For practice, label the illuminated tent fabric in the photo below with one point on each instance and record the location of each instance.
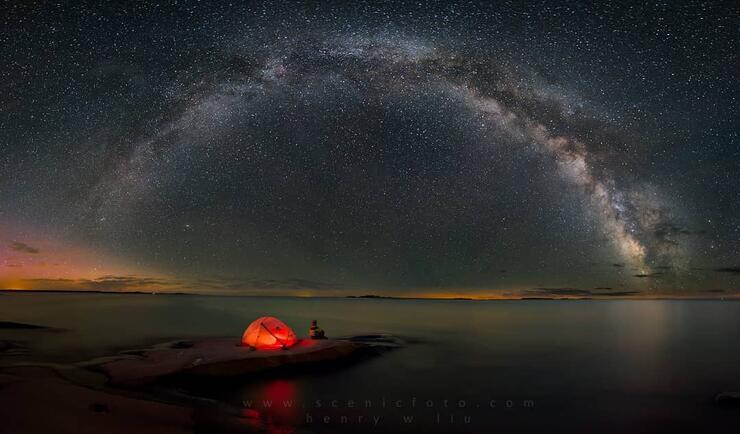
(268, 333)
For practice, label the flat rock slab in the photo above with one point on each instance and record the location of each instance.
(728, 399)
(37, 400)
(219, 357)
(12, 348)
(19, 325)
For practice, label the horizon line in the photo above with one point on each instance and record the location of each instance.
(718, 297)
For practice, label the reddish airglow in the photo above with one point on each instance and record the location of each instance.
(268, 333)
(30, 259)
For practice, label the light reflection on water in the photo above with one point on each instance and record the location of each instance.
(627, 363)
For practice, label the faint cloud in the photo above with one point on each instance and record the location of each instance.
(647, 275)
(731, 270)
(107, 283)
(558, 291)
(132, 283)
(620, 293)
(667, 230)
(23, 247)
(292, 284)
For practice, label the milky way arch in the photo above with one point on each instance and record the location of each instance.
(206, 104)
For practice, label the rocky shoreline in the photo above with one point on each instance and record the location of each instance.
(124, 392)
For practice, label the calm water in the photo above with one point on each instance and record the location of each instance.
(587, 366)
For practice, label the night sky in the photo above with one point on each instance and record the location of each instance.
(424, 149)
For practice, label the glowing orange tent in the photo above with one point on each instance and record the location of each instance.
(268, 333)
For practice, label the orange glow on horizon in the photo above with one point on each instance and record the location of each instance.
(31, 260)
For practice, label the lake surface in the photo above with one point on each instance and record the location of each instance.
(495, 366)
